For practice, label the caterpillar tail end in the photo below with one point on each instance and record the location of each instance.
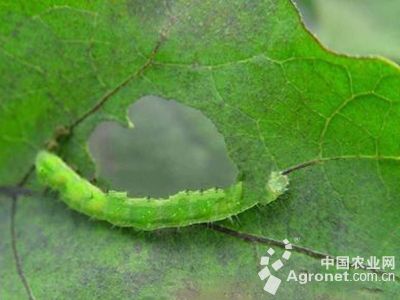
(44, 164)
(276, 186)
(51, 170)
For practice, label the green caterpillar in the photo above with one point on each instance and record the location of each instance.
(181, 209)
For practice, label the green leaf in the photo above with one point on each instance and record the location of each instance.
(278, 98)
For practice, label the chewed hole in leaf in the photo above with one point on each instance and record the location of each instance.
(171, 148)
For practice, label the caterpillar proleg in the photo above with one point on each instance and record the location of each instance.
(180, 209)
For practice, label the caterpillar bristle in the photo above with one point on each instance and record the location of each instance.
(237, 220)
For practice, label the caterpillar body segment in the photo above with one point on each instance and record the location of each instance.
(181, 209)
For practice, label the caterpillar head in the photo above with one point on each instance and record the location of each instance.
(276, 186)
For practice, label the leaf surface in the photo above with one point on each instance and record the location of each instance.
(277, 97)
